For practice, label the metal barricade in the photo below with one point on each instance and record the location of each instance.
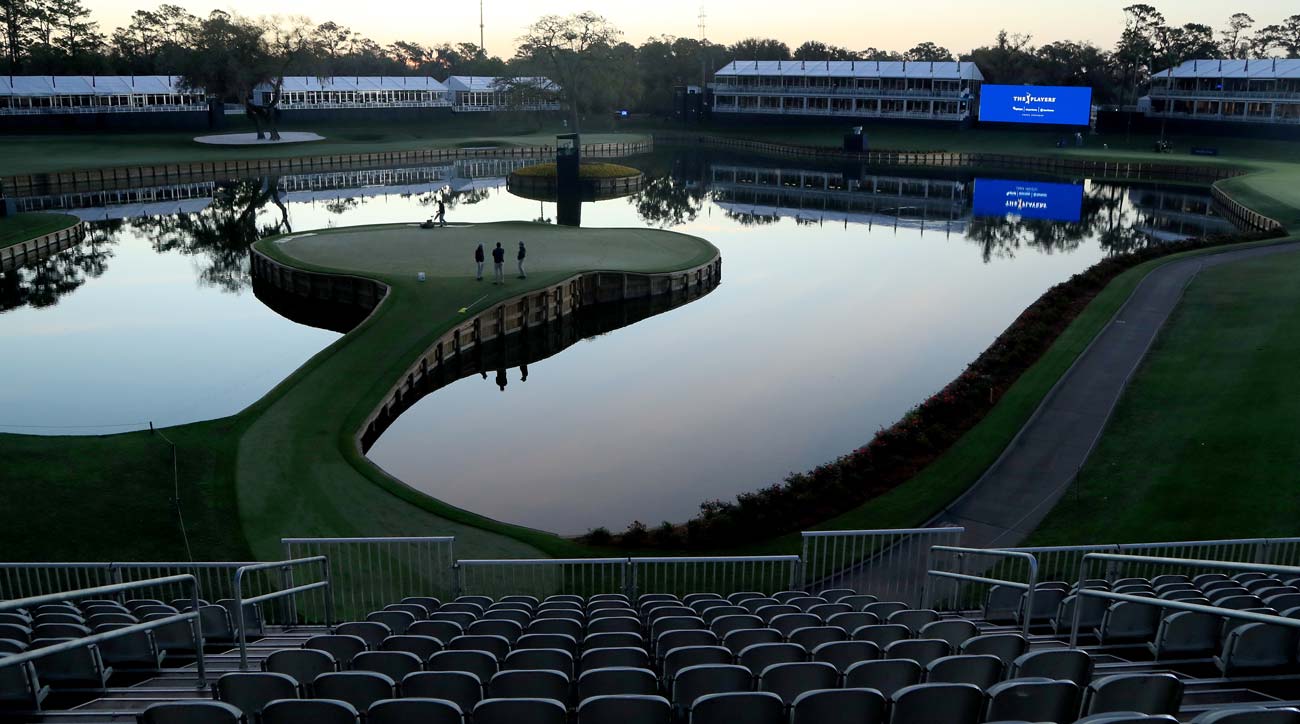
(713, 574)
(1027, 603)
(1186, 563)
(1060, 562)
(542, 577)
(289, 593)
(889, 564)
(369, 573)
(192, 615)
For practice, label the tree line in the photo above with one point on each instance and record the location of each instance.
(227, 54)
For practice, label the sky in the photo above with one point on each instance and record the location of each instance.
(959, 25)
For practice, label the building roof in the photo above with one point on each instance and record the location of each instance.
(853, 69)
(462, 83)
(1260, 68)
(81, 85)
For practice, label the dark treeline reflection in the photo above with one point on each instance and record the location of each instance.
(682, 184)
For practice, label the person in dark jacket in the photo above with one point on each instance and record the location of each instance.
(499, 264)
(442, 212)
(520, 259)
(478, 261)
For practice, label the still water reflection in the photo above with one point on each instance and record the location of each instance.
(848, 295)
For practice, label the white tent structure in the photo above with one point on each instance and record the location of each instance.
(1263, 90)
(848, 88)
(492, 93)
(309, 92)
(46, 94)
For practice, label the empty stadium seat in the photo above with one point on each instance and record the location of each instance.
(1057, 664)
(358, 688)
(479, 663)
(539, 660)
(495, 645)
(191, 712)
(529, 685)
(1257, 646)
(726, 624)
(21, 688)
(544, 641)
(922, 651)
(680, 658)
(1186, 634)
(755, 707)
(1146, 693)
(669, 640)
(883, 609)
(886, 675)
(316, 711)
(251, 691)
(566, 626)
(624, 709)
(343, 647)
(693, 682)
(520, 711)
(617, 680)
(302, 665)
(601, 658)
(444, 631)
(1090, 618)
(843, 654)
(913, 619)
(954, 631)
(1006, 647)
(982, 670)
(460, 687)
(508, 630)
(1033, 700)
(760, 656)
(814, 636)
(1127, 717)
(790, 680)
(413, 710)
(741, 639)
(393, 664)
(838, 706)
(422, 646)
(948, 703)
(75, 668)
(612, 640)
(372, 632)
(881, 635)
(614, 624)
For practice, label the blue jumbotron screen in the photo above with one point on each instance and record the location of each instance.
(1028, 199)
(1050, 105)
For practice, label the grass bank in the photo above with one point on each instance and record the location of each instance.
(1205, 442)
(25, 227)
(27, 154)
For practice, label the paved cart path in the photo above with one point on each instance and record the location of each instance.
(1014, 495)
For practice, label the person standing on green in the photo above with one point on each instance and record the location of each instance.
(520, 260)
(499, 264)
(478, 261)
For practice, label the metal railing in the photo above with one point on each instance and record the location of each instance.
(712, 574)
(1027, 602)
(1060, 562)
(215, 579)
(288, 593)
(889, 563)
(1185, 563)
(369, 573)
(192, 615)
(542, 577)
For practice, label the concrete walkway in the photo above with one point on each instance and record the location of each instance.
(1014, 495)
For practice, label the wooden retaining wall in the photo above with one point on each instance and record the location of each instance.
(132, 176)
(1240, 215)
(512, 315)
(42, 247)
(599, 188)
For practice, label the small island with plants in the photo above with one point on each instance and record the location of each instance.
(596, 180)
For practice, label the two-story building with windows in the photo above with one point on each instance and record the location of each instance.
(1260, 91)
(847, 89)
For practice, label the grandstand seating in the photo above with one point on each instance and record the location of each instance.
(838, 656)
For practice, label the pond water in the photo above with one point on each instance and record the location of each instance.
(849, 294)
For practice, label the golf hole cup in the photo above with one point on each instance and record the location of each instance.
(420, 276)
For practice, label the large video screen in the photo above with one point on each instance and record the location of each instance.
(1028, 199)
(1051, 105)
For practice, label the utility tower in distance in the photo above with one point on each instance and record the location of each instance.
(482, 48)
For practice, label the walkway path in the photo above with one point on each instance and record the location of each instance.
(1014, 495)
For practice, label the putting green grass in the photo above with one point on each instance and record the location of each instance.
(25, 227)
(26, 154)
(1205, 443)
(298, 470)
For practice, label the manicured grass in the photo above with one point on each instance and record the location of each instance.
(298, 469)
(586, 170)
(1206, 441)
(47, 153)
(24, 227)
